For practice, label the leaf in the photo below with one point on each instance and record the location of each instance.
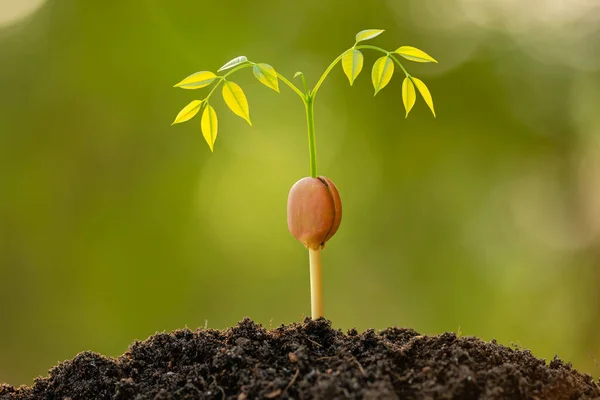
(414, 54)
(368, 34)
(266, 75)
(209, 125)
(198, 80)
(382, 72)
(352, 63)
(408, 94)
(236, 100)
(297, 74)
(232, 63)
(188, 112)
(424, 93)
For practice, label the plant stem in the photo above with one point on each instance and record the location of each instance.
(368, 46)
(309, 103)
(316, 284)
(304, 83)
(327, 71)
(292, 86)
(222, 78)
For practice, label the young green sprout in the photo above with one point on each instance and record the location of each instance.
(314, 209)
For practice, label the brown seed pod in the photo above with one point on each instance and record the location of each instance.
(314, 211)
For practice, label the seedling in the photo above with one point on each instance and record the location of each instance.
(314, 209)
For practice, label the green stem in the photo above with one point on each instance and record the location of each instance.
(292, 86)
(304, 83)
(222, 78)
(309, 103)
(251, 64)
(399, 64)
(368, 46)
(327, 71)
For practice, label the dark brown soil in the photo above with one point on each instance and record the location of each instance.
(310, 361)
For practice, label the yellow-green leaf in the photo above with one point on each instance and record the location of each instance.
(236, 100)
(197, 80)
(232, 63)
(209, 125)
(414, 54)
(424, 93)
(352, 63)
(188, 112)
(408, 94)
(368, 34)
(382, 72)
(266, 75)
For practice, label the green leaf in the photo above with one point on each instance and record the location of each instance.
(368, 34)
(352, 63)
(232, 63)
(414, 54)
(266, 75)
(382, 72)
(236, 100)
(188, 112)
(424, 93)
(408, 94)
(209, 125)
(197, 80)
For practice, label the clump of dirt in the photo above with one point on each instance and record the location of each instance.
(309, 361)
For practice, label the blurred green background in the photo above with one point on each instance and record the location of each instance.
(115, 225)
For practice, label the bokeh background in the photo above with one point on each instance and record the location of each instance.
(115, 225)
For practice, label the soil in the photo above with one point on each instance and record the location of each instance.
(309, 360)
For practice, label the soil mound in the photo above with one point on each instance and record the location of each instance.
(309, 360)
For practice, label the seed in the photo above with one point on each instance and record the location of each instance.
(314, 211)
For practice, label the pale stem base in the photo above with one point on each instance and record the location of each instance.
(316, 284)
